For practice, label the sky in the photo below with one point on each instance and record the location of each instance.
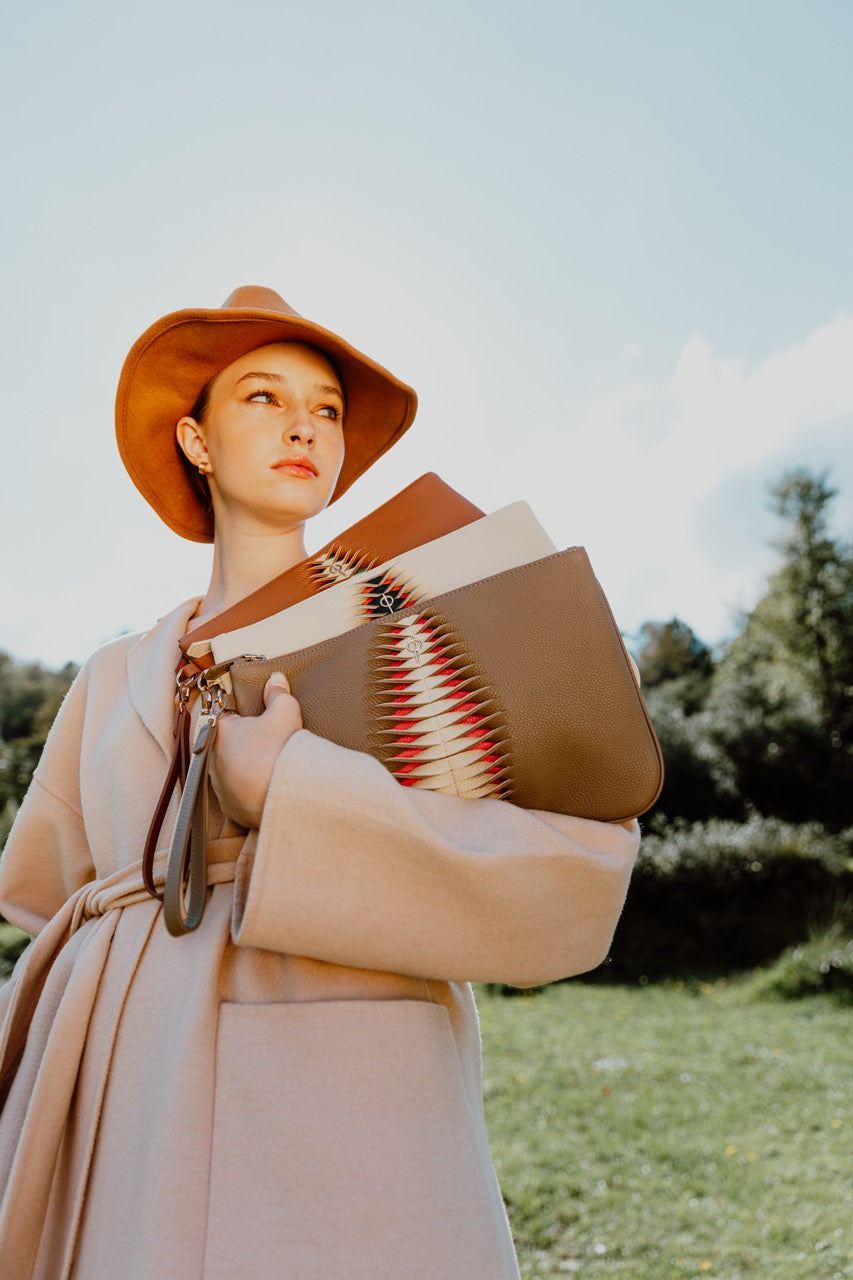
(608, 243)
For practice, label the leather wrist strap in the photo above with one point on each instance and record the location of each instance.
(186, 872)
(187, 678)
(177, 773)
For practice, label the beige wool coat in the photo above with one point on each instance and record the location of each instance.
(294, 1089)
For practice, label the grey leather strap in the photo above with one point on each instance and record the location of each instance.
(185, 891)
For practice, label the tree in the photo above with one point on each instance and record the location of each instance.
(809, 607)
(29, 700)
(676, 669)
(781, 700)
(669, 650)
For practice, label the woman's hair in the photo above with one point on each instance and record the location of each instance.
(198, 481)
(199, 409)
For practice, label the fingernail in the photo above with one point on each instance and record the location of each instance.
(278, 680)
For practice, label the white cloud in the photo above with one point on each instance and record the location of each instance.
(667, 483)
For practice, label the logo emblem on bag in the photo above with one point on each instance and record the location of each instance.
(382, 594)
(336, 565)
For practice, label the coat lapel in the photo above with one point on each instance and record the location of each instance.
(151, 665)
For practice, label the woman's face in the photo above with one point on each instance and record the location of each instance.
(271, 440)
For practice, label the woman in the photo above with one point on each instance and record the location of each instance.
(294, 1088)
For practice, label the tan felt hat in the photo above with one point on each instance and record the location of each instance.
(177, 356)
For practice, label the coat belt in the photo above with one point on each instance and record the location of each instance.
(125, 887)
(30, 1177)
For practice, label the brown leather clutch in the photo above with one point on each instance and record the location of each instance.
(517, 686)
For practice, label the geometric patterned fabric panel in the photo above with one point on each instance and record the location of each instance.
(437, 725)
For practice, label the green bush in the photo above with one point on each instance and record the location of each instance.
(30, 696)
(720, 897)
(822, 965)
(699, 781)
(12, 943)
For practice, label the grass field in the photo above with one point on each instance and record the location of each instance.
(672, 1133)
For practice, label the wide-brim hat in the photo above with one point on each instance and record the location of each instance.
(172, 361)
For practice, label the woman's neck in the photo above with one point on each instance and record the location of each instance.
(243, 563)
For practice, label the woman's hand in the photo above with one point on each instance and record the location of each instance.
(246, 750)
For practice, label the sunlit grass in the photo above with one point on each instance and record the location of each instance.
(669, 1131)
(672, 1132)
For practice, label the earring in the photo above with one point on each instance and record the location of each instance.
(202, 469)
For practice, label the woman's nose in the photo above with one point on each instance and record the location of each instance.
(300, 429)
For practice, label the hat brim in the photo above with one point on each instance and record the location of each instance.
(176, 357)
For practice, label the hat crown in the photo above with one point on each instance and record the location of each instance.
(255, 297)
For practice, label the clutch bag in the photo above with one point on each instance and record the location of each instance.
(516, 686)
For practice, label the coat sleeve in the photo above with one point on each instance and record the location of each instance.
(353, 868)
(46, 857)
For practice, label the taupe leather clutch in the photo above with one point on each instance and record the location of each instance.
(517, 686)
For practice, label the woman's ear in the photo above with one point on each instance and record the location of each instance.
(192, 444)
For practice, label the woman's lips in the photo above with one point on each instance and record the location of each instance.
(301, 467)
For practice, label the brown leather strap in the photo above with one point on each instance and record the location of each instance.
(186, 673)
(187, 669)
(177, 773)
(186, 871)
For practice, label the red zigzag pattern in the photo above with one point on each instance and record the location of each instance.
(439, 727)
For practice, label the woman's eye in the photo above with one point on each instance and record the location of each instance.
(331, 411)
(262, 397)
